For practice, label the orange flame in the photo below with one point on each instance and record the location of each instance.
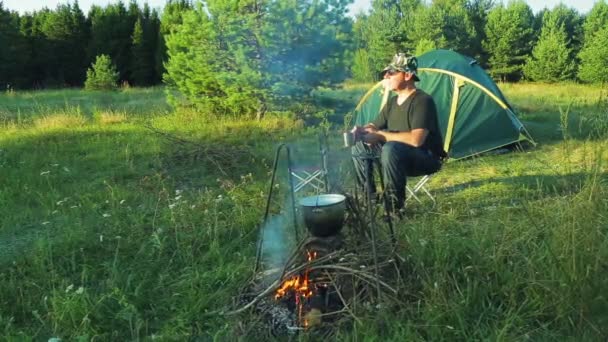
(301, 285)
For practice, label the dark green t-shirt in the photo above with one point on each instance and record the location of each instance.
(417, 111)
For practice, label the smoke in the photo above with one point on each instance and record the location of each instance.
(276, 242)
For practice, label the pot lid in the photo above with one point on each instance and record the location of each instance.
(322, 200)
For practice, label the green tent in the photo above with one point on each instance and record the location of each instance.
(474, 116)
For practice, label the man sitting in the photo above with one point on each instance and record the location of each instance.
(405, 133)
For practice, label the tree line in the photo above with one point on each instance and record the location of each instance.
(510, 41)
(248, 56)
(54, 48)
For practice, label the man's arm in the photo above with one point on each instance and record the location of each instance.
(415, 137)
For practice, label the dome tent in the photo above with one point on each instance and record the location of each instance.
(474, 116)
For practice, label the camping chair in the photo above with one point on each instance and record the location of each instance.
(312, 175)
(420, 186)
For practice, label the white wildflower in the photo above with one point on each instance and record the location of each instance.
(172, 205)
(177, 198)
(45, 223)
(69, 288)
(122, 201)
(178, 192)
(80, 290)
(54, 165)
(100, 238)
(43, 173)
(66, 169)
(106, 215)
(54, 212)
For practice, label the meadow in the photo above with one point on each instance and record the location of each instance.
(121, 219)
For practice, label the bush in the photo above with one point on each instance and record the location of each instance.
(102, 75)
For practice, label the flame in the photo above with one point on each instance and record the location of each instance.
(301, 285)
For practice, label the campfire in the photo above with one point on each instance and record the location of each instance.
(330, 276)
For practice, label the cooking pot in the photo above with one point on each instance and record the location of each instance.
(323, 214)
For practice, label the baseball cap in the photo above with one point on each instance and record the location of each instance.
(403, 62)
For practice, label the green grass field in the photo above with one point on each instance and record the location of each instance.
(111, 231)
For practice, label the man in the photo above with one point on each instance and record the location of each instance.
(405, 134)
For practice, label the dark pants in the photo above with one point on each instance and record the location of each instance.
(398, 161)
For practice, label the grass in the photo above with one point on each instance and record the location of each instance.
(112, 232)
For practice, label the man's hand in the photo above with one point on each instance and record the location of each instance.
(370, 128)
(373, 138)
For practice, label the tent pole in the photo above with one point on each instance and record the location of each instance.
(454, 106)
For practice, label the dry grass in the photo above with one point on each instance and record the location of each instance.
(110, 117)
(61, 120)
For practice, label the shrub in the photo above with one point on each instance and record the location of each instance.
(102, 75)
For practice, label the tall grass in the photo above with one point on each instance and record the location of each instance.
(109, 231)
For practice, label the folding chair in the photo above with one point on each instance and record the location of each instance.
(314, 176)
(309, 176)
(420, 187)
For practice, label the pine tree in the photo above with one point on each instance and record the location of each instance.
(594, 54)
(424, 45)
(509, 39)
(111, 31)
(447, 24)
(572, 22)
(596, 20)
(170, 20)
(245, 57)
(11, 62)
(477, 11)
(102, 75)
(594, 58)
(142, 54)
(551, 59)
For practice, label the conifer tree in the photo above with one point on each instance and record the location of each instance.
(551, 59)
(245, 57)
(509, 39)
(102, 75)
(594, 58)
(447, 24)
(594, 54)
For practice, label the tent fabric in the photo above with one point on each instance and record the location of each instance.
(474, 116)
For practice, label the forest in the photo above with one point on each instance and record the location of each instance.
(315, 43)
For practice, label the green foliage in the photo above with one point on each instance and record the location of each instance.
(144, 40)
(447, 24)
(594, 58)
(596, 20)
(425, 45)
(572, 22)
(65, 34)
(362, 70)
(11, 43)
(233, 58)
(552, 59)
(102, 75)
(477, 12)
(382, 33)
(509, 39)
(594, 54)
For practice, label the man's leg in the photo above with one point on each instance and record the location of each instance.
(361, 149)
(399, 161)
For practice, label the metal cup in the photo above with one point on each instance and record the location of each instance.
(349, 139)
